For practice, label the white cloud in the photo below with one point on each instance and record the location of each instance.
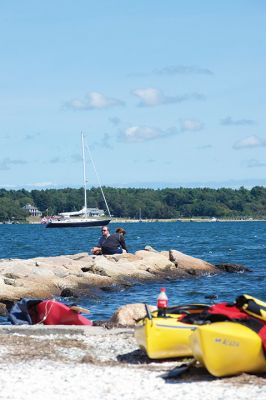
(145, 133)
(104, 142)
(184, 70)
(137, 133)
(191, 125)
(255, 163)
(204, 147)
(176, 70)
(241, 122)
(32, 136)
(7, 163)
(140, 133)
(94, 100)
(115, 120)
(56, 160)
(249, 142)
(151, 97)
(29, 185)
(40, 184)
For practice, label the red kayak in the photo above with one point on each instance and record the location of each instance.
(51, 312)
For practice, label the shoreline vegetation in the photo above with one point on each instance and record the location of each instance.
(131, 204)
(37, 220)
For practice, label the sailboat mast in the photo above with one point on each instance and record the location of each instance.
(84, 174)
(98, 178)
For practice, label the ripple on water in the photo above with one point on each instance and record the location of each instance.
(241, 243)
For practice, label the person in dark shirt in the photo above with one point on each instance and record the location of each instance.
(115, 244)
(97, 250)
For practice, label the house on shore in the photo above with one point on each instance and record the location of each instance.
(32, 210)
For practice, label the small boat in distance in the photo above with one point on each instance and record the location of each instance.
(86, 217)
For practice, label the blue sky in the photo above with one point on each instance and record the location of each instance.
(168, 93)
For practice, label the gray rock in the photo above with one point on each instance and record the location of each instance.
(49, 276)
(11, 282)
(129, 314)
(227, 267)
(150, 248)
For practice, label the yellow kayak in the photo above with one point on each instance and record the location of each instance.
(228, 348)
(166, 337)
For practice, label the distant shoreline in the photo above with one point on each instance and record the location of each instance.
(35, 221)
(128, 220)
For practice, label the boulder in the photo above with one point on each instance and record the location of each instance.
(129, 314)
(191, 265)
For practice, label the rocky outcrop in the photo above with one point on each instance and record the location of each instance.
(44, 277)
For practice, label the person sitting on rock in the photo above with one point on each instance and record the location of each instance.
(115, 244)
(97, 250)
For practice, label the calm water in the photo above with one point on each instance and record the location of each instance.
(216, 242)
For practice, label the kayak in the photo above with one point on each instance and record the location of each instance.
(226, 338)
(228, 348)
(166, 337)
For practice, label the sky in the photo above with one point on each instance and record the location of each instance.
(167, 93)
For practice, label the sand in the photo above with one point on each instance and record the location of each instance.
(55, 363)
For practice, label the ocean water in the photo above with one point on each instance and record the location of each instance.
(216, 242)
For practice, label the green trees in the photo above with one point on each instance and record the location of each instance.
(127, 202)
(10, 210)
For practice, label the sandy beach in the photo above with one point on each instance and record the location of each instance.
(60, 362)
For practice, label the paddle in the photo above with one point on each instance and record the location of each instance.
(178, 371)
(148, 312)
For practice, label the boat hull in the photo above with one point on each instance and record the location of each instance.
(228, 348)
(164, 337)
(77, 224)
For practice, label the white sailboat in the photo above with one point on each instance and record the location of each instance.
(87, 217)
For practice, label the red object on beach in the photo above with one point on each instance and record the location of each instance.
(51, 312)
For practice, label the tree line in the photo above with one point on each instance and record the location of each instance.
(127, 202)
